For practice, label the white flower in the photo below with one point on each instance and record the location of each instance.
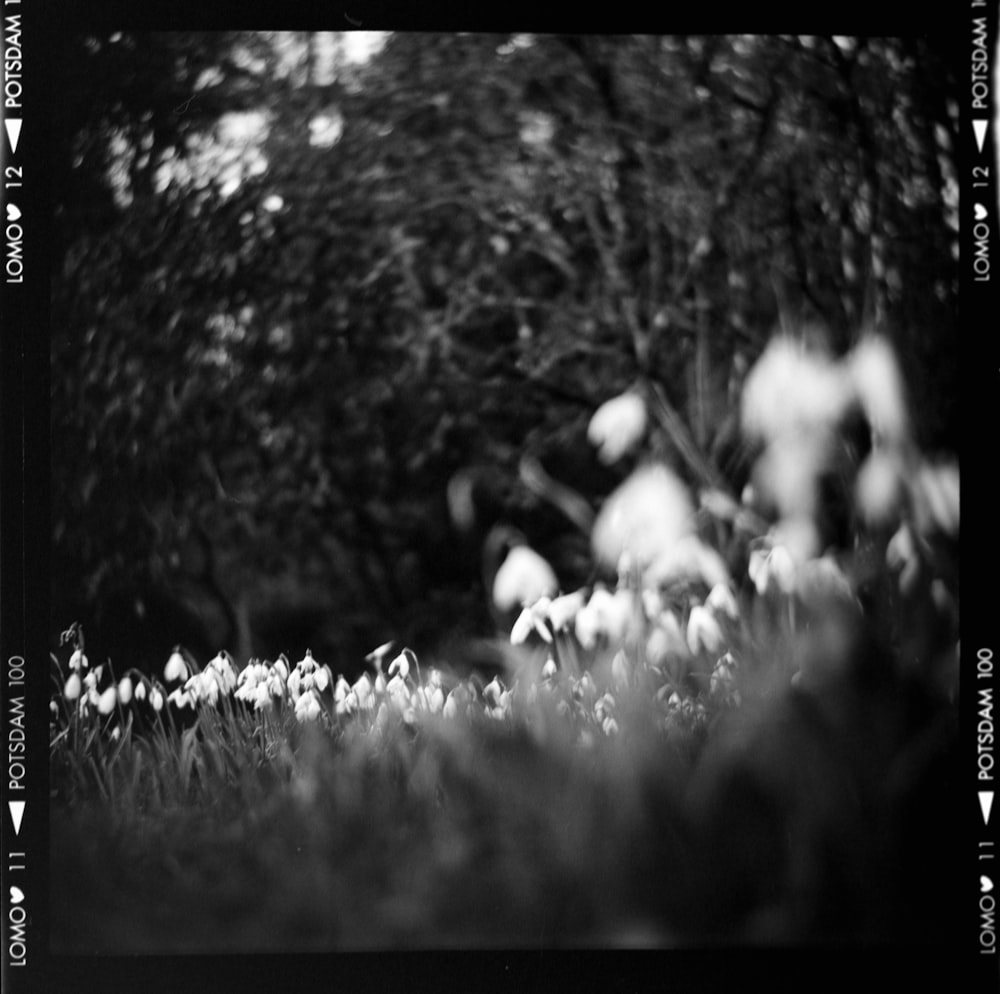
(721, 600)
(902, 556)
(703, 631)
(222, 664)
(617, 426)
(156, 699)
(791, 389)
(78, 661)
(563, 610)
(788, 472)
(306, 664)
(73, 687)
(643, 519)
(261, 697)
(605, 615)
(307, 707)
(532, 618)
(176, 668)
(723, 675)
(936, 499)
(549, 669)
(523, 577)
(400, 665)
(125, 690)
(772, 568)
(666, 639)
(435, 699)
(878, 488)
(620, 669)
(140, 690)
(180, 698)
(493, 690)
(688, 559)
(362, 690)
(878, 383)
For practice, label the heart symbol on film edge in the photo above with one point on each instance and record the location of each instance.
(13, 212)
(985, 884)
(16, 895)
(980, 212)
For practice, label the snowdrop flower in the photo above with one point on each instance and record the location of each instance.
(523, 578)
(252, 676)
(787, 473)
(878, 383)
(125, 690)
(73, 688)
(644, 518)
(280, 668)
(176, 668)
(202, 686)
(222, 664)
(688, 559)
(261, 697)
(703, 631)
(116, 733)
(156, 699)
(140, 690)
(791, 390)
(666, 639)
(723, 675)
(401, 664)
(398, 691)
(767, 570)
(532, 619)
(604, 706)
(902, 556)
(936, 499)
(180, 698)
(821, 582)
(78, 661)
(617, 426)
(563, 610)
(435, 699)
(307, 707)
(605, 615)
(878, 488)
(377, 655)
(493, 690)
(363, 692)
(721, 600)
(549, 669)
(620, 669)
(609, 726)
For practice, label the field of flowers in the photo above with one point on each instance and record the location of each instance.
(739, 733)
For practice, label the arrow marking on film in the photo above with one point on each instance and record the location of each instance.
(980, 129)
(16, 814)
(986, 802)
(13, 125)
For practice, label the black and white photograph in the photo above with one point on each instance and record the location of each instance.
(504, 496)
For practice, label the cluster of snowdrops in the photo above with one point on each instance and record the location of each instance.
(679, 625)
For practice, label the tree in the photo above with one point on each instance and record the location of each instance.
(296, 295)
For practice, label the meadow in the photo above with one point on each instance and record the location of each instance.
(742, 732)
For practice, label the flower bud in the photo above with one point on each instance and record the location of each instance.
(106, 702)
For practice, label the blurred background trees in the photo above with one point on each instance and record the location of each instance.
(301, 282)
